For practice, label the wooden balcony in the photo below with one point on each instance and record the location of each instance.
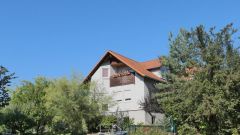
(117, 64)
(122, 80)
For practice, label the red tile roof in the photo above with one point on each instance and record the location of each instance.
(140, 68)
(156, 63)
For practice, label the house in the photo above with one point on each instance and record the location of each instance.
(129, 82)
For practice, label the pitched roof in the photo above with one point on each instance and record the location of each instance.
(140, 68)
(156, 63)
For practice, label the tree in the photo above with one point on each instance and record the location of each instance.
(119, 119)
(69, 100)
(76, 107)
(5, 80)
(31, 97)
(108, 121)
(16, 120)
(60, 106)
(202, 88)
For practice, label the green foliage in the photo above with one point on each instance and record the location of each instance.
(203, 81)
(14, 118)
(71, 102)
(186, 129)
(127, 122)
(5, 80)
(31, 96)
(93, 124)
(165, 123)
(61, 106)
(123, 121)
(60, 127)
(108, 121)
(147, 130)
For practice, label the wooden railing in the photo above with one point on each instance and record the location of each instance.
(122, 80)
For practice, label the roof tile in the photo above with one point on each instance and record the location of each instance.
(156, 63)
(140, 68)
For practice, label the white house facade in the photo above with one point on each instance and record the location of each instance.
(128, 82)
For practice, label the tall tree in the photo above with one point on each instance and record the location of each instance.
(202, 92)
(5, 80)
(31, 97)
(76, 106)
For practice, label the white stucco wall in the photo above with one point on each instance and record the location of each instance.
(138, 116)
(156, 72)
(134, 91)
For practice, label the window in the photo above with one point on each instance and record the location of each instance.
(104, 72)
(105, 107)
(128, 99)
(119, 100)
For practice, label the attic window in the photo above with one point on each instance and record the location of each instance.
(104, 72)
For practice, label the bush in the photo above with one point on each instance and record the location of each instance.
(108, 121)
(186, 129)
(148, 130)
(15, 120)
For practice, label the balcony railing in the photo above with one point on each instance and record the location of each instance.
(122, 80)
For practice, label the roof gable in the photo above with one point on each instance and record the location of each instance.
(140, 68)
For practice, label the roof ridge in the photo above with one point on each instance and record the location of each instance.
(123, 56)
(137, 66)
(127, 63)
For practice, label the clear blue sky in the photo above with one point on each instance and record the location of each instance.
(54, 37)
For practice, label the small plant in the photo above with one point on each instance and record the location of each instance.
(108, 121)
(148, 130)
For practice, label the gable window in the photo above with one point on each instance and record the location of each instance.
(104, 72)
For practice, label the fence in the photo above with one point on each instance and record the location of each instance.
(148, 129)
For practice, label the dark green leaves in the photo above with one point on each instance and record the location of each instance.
(5, 80)
(202, 90)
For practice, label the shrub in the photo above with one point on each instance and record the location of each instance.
(148, 131)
